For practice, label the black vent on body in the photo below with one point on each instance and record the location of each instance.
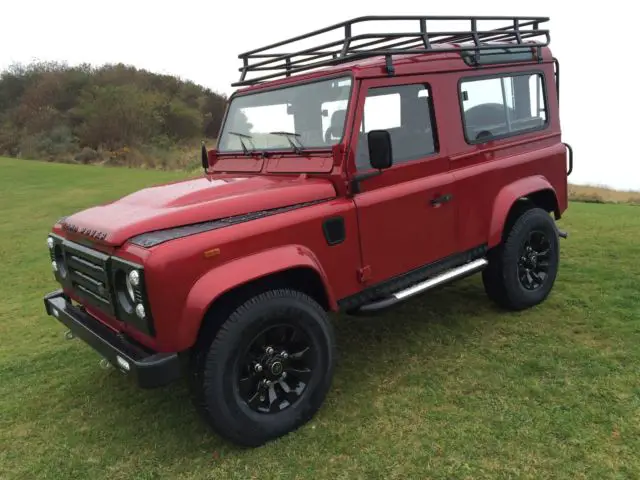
(334, 230)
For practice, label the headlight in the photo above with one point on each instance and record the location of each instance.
(58, 264)
(131, 282)
(134, 278)
(125, 291)
(140, 311)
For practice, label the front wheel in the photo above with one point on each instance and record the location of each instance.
(523, 269)
(268, 368)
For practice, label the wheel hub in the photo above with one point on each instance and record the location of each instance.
(276, 368)
(534, 261)
(276, 371)
(531, 259)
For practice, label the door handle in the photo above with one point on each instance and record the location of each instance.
(436, 202)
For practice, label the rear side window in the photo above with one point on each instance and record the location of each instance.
(502, 106)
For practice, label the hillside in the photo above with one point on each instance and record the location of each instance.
(444, 386)
(594, 194)
(116, 114)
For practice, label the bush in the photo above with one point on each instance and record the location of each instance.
(115, 116)
(53, 111)
(587, 198)
(9, 139)
(87, 155)
(57, 144)
(181, 122)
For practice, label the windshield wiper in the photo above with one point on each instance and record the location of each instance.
(245, 150)
(296, 148)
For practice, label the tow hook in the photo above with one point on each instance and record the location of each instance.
(561, 233)
(68, 335)
(105, 364)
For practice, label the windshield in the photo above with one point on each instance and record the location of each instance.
(305, 116)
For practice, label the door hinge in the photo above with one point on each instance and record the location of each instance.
(364, 274)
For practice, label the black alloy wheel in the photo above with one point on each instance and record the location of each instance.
(533, 265)
(276, 369)
(266, 369)
(523, 268)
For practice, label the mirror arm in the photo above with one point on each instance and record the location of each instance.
(359, 177)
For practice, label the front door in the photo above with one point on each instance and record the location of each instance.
(406, 215)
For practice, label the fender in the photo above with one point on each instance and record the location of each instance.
(225, 277)
(507, 197)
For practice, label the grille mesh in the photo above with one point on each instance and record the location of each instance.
(88, 275)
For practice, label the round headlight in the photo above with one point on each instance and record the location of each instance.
(130, 289)
(50, 243)
(125, 292)
(60, 267)
(134, 278)
(54, 266)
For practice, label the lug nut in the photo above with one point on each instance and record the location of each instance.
(269, 351)
(284, 375)
(262, 398)
(284, 355)
(258, 367)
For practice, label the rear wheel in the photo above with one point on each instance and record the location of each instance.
(523, 269)
(267, 370)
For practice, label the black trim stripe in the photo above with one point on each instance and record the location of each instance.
(151, 239)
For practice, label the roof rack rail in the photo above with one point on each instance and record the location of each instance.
(269, 63)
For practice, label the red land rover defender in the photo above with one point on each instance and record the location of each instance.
(348, 176)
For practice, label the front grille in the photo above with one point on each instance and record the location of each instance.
(88, 275)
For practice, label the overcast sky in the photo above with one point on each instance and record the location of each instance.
(200, 41)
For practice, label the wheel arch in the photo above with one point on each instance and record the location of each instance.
(220, 290)
(517, 197)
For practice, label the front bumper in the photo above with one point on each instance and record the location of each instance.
(150, 369)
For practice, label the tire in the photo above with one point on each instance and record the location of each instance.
(229, 390)
(506, 280)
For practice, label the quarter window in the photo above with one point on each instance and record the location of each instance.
(502, 106)
(406, 112)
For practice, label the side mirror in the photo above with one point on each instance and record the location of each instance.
(208, 156)
(380, 152)
(204, 157)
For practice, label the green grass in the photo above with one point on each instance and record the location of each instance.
(445, 386)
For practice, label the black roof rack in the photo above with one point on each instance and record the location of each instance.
(270, 62)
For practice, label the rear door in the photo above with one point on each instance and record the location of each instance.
(406, 215)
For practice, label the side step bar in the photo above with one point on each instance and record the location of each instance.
(446, 277)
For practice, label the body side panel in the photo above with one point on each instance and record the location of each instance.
(483, 170)
(399, 228)
(240, 253)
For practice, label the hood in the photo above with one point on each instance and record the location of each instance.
(192, 201)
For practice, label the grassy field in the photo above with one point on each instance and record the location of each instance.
(445, 386)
